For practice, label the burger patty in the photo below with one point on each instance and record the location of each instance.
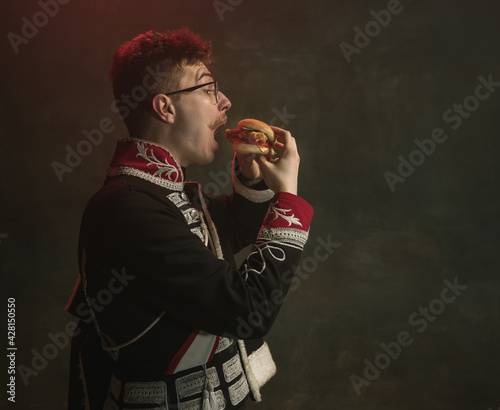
(248, 137)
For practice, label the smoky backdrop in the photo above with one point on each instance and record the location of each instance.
(395, 108)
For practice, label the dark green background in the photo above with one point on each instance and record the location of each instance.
(351, 121)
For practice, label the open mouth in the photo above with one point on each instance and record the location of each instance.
(219, 123)
(219, 127)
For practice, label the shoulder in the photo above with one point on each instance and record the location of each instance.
(129, 197)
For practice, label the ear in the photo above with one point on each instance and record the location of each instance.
(163, 108)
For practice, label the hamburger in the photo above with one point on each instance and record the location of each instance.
(252, 137)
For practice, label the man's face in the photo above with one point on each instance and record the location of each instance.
(197, 118)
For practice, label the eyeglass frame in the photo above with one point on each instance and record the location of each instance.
(196, 87)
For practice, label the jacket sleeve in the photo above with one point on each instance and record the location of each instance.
(169, 269)
(243, 211)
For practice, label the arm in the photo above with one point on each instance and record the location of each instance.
(251, 177)
(242, 212)
(173, 271)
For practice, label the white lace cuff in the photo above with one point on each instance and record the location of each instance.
(249, 193)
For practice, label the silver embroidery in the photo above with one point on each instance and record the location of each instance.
(220, 399)
(289, 235)
(257, 250)
(276, 252)
(145, 392)
(199, 233)
(193, 383)
(195, 404)
(191, 215)
(232, 368)
(178, 198)
(165, 183)
(238, 391)
(224, 343)
(163, 169)
(281, 213)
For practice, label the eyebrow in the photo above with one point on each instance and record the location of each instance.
(204, 74)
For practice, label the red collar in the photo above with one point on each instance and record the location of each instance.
(146, 160)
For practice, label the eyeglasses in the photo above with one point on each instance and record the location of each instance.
(196, 87)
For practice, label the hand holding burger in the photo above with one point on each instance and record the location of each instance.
(258, 139)
(252, 137)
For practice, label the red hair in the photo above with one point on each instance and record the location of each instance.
(165, 53)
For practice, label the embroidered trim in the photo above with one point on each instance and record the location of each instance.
(143, 141)
(281, 213)
(224, 343)
(190, 405)
(232, 368)
(220, 399)
(249, 193)
(193, 383)
(165, 183)
(178, 198)
(288, 235)
(154, 144)
(191, 215)
(276, 252)
(199, 232)
(258, 249)
(196, 405)
(213, 237)
(238, 391)
(145, 392)
(162, 167)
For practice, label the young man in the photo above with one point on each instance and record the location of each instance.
(167, 319)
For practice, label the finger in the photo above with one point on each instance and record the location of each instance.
(262, 161)
(283, 135)
(250, 157)
(279, 132)
(289, 146)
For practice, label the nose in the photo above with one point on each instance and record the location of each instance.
(224, 103)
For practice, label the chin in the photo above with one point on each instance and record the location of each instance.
(206, 160)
